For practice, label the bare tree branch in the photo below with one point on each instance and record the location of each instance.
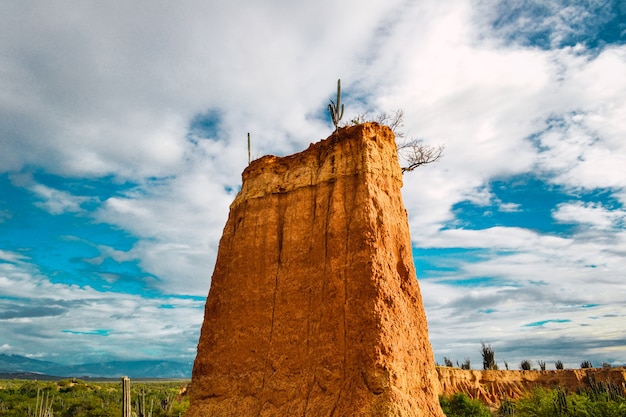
(416, 154)
(395, 121)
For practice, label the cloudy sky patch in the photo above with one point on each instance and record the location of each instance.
(124, 130)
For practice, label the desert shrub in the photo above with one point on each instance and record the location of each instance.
(586, 364)
(460, 405)
(448, 362)
(526, 365)
(558, 364)
(489, 361)
(506, 408)
(542, 365)
(599, 390)
(465, 365)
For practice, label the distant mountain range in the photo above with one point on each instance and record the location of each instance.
(16, 364)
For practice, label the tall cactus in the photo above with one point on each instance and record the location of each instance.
(43, 408)
(126, 410)
(248, 148)
(336, 110)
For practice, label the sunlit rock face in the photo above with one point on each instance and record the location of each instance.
(494, 386)
(314, 307)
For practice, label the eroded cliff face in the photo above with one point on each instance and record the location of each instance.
(314, 307)
(491, 387)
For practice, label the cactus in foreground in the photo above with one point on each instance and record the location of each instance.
(43, 406)
(336, 110)
(126, 410)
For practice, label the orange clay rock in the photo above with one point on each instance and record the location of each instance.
(493, 386)
(314, 307)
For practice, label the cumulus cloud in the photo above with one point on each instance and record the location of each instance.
(591, 214)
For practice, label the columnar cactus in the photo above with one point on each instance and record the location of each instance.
(126, 410)
(336, 110)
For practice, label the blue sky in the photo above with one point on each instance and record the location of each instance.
(123, 135)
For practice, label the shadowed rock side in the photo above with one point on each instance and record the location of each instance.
(314, 307)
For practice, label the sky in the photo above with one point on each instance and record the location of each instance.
(123, 135)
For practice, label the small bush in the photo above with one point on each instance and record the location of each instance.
(558, 364)
(465, 365)
(526, 365)
(460, 405)
(586, 364)
(448, 362)
(542, 365)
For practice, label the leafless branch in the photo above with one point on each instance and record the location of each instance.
(416, 153)
(394, 120)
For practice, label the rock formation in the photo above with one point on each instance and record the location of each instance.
(314, 307)
(493, 386)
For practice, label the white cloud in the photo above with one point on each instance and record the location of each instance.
(537, 278)
(52, 200)
(585, 146)
(591, 214)
(110, 88)
(580, 142)
(509, 207)
(38, 314)
(179, 222)
(12, 257)
(56, 201)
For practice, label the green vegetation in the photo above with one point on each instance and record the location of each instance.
(248, 148)
(77, 398)
(544, 402)
(74, 398)
(599, 400)
(489, 361)
(460, 405)
(336, 109)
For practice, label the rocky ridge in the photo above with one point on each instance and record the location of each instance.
(493, 386)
